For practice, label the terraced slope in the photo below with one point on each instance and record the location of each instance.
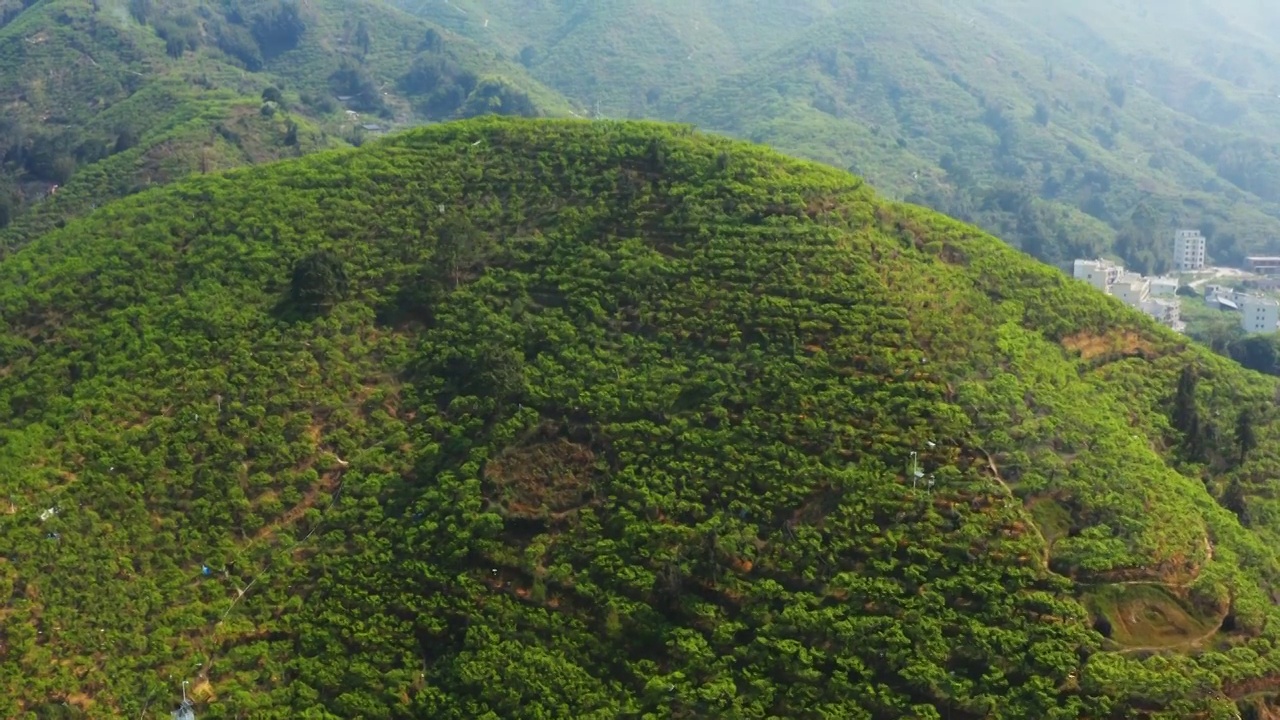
(101, 99)
(1066, 129)
(558, 419)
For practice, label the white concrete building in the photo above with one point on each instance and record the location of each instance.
(1188, 250)
(1259, 314)
(1098, 273)
(1216, 296)
(1155, 297)
(1167, 312)
(1166, 287)
(1132, 289)
(1263, 264)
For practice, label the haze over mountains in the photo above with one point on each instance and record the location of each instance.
(552, 418)
(1066, 128)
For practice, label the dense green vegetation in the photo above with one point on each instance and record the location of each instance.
(535, 419)
(1067, 129)
(104, 97)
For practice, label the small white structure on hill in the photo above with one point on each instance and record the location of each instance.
(1132, 289)
(1155, 297)
(1263, 264)
(1165, 286)
(1167, 312)
(1098, 273)
(1221, 296)
(1259, 314)
(1188, 250)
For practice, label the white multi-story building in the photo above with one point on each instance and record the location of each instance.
(1165, 286)
(1132, 289)
(1098, 273)
(1259, 314)
(1188, 250)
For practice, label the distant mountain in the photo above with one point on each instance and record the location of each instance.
(103, 98)
(556, 419)
(1069, 129)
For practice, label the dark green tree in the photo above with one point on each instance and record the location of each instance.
(272, 94)
(126, 138)
(460, 249)
(364, 40)
(1233, 499)
(278, 26)
(1042, 114)
(141, 10)
(319, 281)
(1117, 91)
(1256, 352)
(500, 373)
(1246, 436)
(1186, 416)
(432, 41)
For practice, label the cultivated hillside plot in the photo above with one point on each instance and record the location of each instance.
(541, 419)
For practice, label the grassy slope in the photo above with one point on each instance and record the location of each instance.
(84, 78)
(615, 52)
(632, 439)
(890, 90)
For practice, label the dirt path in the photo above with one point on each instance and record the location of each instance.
(995, 472)
(309, 500)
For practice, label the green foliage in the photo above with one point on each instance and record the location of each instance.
(1246, 435)
(1088, 111)
(612, 420)
(1256, 352)
(319, 280)
(104, 102)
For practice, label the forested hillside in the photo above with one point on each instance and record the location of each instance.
(1068, 129)
(546, 419)
(102, 98)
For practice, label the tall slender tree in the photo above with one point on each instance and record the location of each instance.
(1186, 417)
(1246, 438)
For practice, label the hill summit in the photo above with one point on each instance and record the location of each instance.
(533, 419)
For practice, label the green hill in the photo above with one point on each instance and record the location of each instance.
(104, 97)
(533, 419)
(1068, 129)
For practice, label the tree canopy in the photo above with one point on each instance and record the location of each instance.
(612, 419)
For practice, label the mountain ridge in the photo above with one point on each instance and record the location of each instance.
(1071, 132)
